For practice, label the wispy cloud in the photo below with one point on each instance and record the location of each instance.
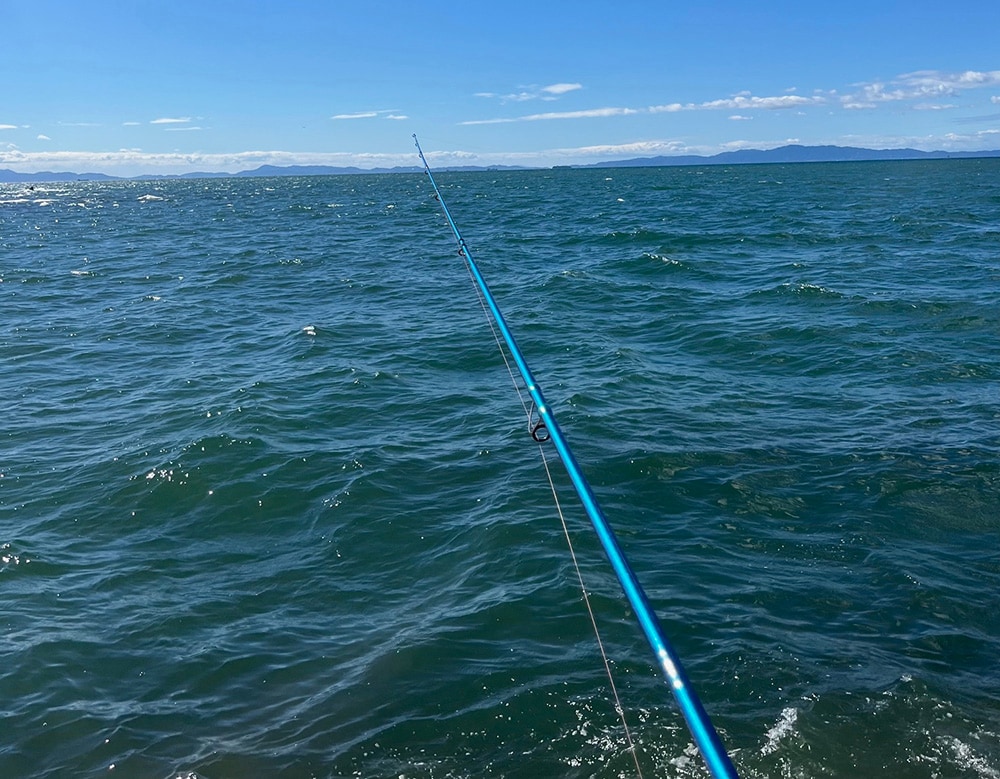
(42, 137)
(511, 97)
(740, 145)
(172, 120)
(390, 113)
(747, 102)
(8, 126)
(920, 85)
(743, 101)
(561, 89)
(591, 113)
(533, 92)
(633, 149)
(362, 115)
(938, 83)
(977, 119)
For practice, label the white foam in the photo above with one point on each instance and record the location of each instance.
(782, 728)
(967, 758)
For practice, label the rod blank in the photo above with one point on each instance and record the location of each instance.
(704, 733)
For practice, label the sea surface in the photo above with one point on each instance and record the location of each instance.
(269, 506)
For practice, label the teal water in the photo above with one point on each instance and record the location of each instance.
(270, 508)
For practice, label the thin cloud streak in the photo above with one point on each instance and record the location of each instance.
(550, 92)
(585, 114)
(633, 149)
(741, 102)
(386, 114)
(561, 89)
(977, 119)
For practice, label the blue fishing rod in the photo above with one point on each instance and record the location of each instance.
(704, 733)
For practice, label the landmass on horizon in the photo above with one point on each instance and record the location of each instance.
(793, 153)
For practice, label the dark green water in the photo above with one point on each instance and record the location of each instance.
(270, 509)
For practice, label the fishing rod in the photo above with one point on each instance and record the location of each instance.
(704, 733)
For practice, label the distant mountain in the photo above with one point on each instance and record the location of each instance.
(783, 154)
(794, 153)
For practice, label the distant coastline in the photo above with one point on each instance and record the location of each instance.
(781, 155)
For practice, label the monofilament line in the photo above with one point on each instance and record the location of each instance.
(562, 519)
(590, 612)
(705, 736)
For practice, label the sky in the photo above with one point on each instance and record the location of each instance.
(129, 87)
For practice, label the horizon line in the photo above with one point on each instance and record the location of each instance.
(459, 161)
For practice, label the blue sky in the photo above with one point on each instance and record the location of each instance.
(171, 86)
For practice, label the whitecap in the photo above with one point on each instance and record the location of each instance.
(783, 727)
(966, 757)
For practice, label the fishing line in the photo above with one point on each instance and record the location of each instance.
(705, 736)
(565, 527)
(590, 612)
(503, 352)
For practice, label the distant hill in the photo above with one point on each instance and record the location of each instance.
(783, 154)
(793, 153)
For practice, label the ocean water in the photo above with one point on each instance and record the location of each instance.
(269, 506)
